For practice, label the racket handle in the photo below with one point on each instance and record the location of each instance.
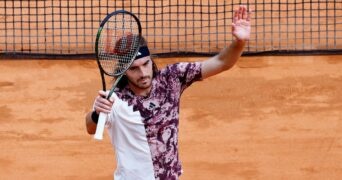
(100, 126)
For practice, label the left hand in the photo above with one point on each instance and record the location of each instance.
(241, 26)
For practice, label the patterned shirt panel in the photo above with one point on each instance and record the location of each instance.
(160, 110)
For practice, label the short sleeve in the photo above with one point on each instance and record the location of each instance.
(186, 72)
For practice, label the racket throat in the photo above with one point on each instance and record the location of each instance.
(114, 86)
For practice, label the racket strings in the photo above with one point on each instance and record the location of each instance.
(119, 43)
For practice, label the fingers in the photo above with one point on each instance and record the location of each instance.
(242, 13)
(236, 16)
(102, 104)
(249, 13)
(103, 93)
(233, 27)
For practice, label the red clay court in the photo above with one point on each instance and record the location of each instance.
(267, 118)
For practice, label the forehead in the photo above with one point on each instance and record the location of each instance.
(141, 61)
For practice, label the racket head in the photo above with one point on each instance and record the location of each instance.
(117, 42)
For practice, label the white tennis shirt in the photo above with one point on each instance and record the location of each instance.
(128, 136)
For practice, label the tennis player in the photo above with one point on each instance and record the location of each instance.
(144, 110)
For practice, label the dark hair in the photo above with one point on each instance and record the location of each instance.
(124, 80)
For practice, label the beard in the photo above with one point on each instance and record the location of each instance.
(144, 82)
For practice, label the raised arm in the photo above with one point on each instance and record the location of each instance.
(241, 28)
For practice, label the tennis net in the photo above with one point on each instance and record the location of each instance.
(172, 27)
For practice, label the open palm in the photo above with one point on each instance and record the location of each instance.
(241, 26)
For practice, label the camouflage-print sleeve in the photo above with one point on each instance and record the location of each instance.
(186, 72)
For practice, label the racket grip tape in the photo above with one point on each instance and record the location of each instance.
(100, 126)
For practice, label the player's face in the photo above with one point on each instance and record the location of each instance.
(140, 73)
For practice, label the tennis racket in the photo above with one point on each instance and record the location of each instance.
(116, 46)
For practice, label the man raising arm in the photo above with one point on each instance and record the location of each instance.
(143, 115)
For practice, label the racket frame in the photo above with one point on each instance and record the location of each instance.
(102, 117)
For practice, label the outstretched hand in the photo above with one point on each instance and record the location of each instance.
(241, 26)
